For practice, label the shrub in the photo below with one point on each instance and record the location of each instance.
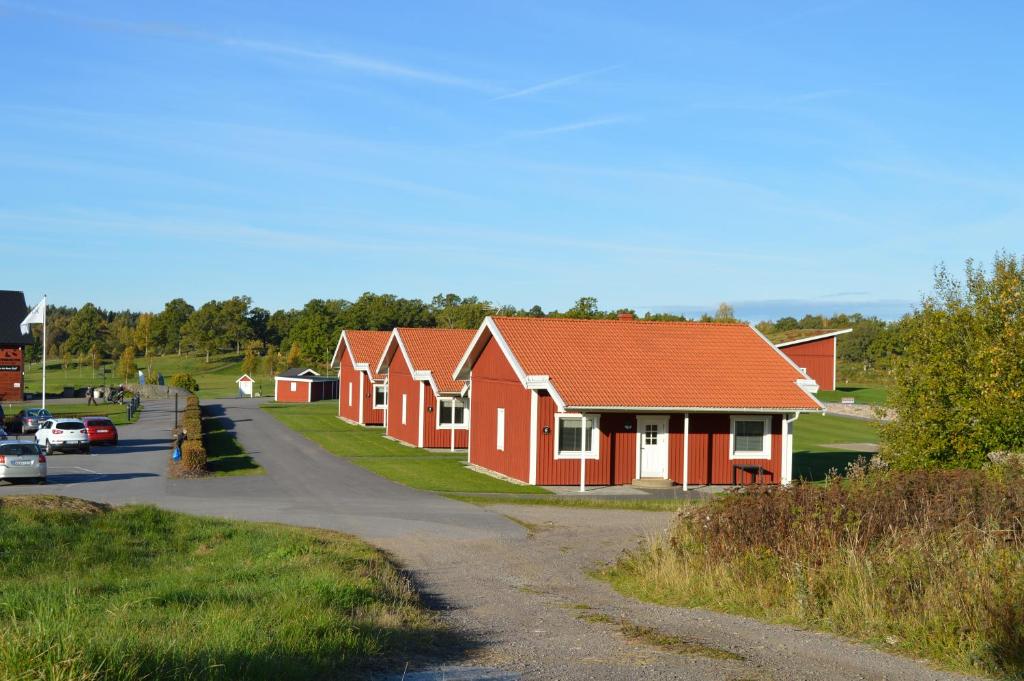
(193, 456)
(931, 562)
(186, 381)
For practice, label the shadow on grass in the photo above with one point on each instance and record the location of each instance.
(814, 466)
(224, 455)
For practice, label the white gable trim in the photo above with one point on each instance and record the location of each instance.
(811, 339)
(807, 384)
(487, 331)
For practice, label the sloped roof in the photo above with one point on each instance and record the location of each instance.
(432, 350)
(794, 336)
(298, 372)
(12, 311)
(366, 348)
(641, 364)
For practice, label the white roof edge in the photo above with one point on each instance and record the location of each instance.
(703, 410)
(808, 339)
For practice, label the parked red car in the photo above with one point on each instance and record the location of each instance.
(101, 430)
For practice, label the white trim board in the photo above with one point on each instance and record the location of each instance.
(811, 339)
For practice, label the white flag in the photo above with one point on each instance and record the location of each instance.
(36, 316)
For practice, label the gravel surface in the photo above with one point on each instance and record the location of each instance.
(511, 580)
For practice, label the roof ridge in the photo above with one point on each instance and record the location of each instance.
(679, 322)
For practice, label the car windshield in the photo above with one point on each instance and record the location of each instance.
(69, 425)
(18, 449)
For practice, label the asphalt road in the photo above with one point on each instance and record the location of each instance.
(304, 485)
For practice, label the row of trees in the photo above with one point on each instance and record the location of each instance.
(89, 335)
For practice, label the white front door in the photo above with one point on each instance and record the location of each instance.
(652, 437)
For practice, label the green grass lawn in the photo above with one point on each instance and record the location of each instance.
(91, 592)
(367, 447)
(216, 378)
(862, 394)
(609, 503)
(224, 455)
(812, 459)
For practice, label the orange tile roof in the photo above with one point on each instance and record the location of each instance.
(615, 363)
(367, 347)
(437, 351)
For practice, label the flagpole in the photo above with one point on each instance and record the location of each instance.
(44, 351)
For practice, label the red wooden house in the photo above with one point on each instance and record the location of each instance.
(695, 403)
(304, 385)
(814, 351)
(362, 392)
(427, 407)
(12, 346)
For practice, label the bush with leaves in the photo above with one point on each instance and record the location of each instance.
(186, 381)
(959, 386)
(193, 456)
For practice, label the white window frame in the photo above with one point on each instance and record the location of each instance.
(766, 440)
(384, 404)
(350, 393)
(452, 426)
(500, 429)
(595, 437)
(295, 386)
(405, 407)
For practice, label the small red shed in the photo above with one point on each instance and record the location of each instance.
(427, 407)
(304, 385)
(12, 346)
(814, 351)
(362, 392)
(690, 402)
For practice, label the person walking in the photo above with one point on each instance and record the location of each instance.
(90, 395)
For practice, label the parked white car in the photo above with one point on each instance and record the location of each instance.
(22, 462)
(63, 435)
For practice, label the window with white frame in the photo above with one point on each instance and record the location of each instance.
(576, 436)
(451, 413)
(350, 394)
(295, 386)
(750, 437)
(501, 429)
(380, 396)
(405, 404)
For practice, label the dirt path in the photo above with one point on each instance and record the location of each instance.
(537, 614)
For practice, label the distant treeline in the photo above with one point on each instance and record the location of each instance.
(90, 335)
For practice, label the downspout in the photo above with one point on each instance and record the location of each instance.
(686, 452)
(787, 448)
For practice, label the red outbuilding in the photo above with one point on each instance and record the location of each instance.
(426, 406)
(689, 402)
(12, 346)
(814, 351)
(362, 392)
(304, 385)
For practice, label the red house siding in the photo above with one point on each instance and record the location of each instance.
(496, 386)
(818, 358)
(709, 451)
(348, 375)
(12, 380)
(401, 382)
(285, 394)
(434, 437)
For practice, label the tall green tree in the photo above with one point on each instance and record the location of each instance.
(234, 323)
(203, 331)
(126, 366)
(386, 311)
(316, 329)
(959, 384)
(454, 312)
(85, 328)
(168, 324)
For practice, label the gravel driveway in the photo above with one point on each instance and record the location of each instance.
(512, 578)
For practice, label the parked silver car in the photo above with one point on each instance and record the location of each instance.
(22, 461)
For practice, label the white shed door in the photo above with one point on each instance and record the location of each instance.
(652, 433)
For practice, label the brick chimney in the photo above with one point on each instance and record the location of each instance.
(626, 317)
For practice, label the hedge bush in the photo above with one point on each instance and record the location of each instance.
(193, 456)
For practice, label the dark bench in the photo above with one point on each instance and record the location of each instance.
(757, 473)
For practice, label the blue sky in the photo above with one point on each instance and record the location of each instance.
(779, 156)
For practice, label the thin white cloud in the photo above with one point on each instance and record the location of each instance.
(343, 60)
(571, 127)
(556, 83)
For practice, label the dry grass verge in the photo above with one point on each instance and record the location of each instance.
(926, 563)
